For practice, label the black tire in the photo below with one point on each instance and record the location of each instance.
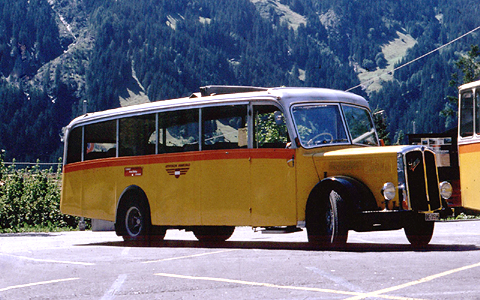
(133, 220)
(327, 223)
(213, 233)
(419, 232)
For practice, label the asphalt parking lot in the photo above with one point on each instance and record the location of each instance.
(251, 265)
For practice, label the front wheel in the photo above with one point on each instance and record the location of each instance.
(419, 232)
(327, 221)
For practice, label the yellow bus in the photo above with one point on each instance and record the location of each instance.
(469, 143)
(246, 156)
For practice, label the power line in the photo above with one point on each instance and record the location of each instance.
(418, 58)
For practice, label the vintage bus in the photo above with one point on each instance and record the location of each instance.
(469, 143)
(246, 156)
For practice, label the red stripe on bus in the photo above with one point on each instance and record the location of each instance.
(469, 148)
(180, 158)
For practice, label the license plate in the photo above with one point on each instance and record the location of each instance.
(432, 217)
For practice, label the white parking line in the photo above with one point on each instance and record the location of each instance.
(337, 279)
(110, 294)
(408, 284)
(49, 260)
(270, 285)
(187, 256)
(35, 283)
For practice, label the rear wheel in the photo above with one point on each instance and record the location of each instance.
(135, 222)
(213, 233)
(327, 221)
(419, 232)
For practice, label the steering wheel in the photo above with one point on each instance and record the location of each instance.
(327, 140)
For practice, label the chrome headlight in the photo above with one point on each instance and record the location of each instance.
(388, 191)
(446, 190)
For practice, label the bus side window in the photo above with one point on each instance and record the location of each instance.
(136, 135)
(179, 131)
(74, 151)
(466, 114)
(100, 140)
(270, 127)
(224, 127)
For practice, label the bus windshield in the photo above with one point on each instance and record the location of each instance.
(319, 124)
(322, 125)
(360, 125)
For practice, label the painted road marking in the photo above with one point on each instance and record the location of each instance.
(36, 283)
(50, 260)
(188, 256)
(308, 289)
(337, 279)
(110, 294)
(419, 281)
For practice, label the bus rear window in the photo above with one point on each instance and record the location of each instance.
(74, 145)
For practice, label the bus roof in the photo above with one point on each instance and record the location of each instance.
(284, 96)
(469, 85)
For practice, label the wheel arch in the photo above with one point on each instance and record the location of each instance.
(357, 195)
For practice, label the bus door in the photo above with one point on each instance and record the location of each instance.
(469, 148)
(272, 169)
(176, 180)
(225, 171)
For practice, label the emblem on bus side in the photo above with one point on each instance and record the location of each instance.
(133, 171)
(177, 170)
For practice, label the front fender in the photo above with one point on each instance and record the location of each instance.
(357, 195)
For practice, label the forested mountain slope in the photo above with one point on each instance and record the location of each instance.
(56, 53)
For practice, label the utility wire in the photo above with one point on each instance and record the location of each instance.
(418, 58)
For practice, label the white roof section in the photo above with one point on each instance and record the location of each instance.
(284, 96)
(469, 85)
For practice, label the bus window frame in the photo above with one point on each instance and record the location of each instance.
(342, 117)
(202, 121)
(460, 118)
(349, 131)
(249, 103)
(287, 118)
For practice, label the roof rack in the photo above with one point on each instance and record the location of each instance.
(228, 89)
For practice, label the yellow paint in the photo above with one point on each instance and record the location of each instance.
(239, 187)
(373, 168)
(226, 188)
(469, 179)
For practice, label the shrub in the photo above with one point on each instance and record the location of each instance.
(30, 198)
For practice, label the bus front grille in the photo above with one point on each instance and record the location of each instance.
(422, 180)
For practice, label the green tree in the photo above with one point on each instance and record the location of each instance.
(469, 66)
(381, 125)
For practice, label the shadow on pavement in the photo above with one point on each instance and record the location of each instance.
(303, 246)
